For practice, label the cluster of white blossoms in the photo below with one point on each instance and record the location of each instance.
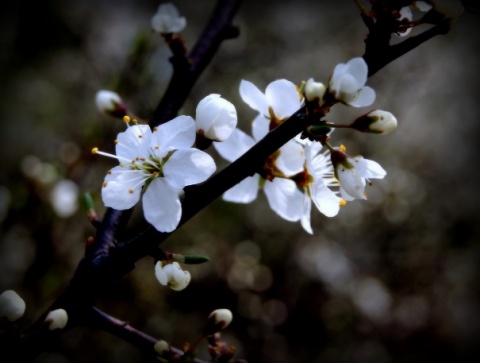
(155, 165)
(301, 173)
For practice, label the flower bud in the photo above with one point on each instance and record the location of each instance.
(12, 305)
(110, 103)
(57, 319)
(314, 90)
(161, 347)
(216, 118)
(168, 20)
(217, 320)
(376, 122)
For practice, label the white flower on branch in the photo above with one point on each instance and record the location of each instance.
(316, 181)
(280, 100)
(376, 122)
(168, 20)
(172, 275)
(12, 305)
(158, 164)
(347, 83)
(216, 118)
(353, 174)
(282, 194)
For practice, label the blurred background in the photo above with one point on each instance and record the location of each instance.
(392, 279)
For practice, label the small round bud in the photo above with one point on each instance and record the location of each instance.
(376, 122)
(216, 118)
(12, 305)
(314, 90)
(161, 347)
(168, 20)
(217, 320)
(110, 103)
(57, 319)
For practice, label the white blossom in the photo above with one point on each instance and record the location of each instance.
(56, 319)
(280, 100)
(317, 179)
(347, 83)
(158, 164)
(168, 20)
(353, 173)
(172, 275)
(12, 305)
(217, 320)
(216, 118)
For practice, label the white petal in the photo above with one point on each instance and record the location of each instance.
(235, 146)
(368, 168)
(358, 68)
(244, 192)
(283, 97)
(291, 159)
(160, 274)
(260, 127)
(187, 167)
(365, 97)
(57, 319)
(134, 142)
(325, 200)
(284, 198)
(253, 97)
(216, 117)
(305, 219)
(161, 206)
(122, 187)
(351, 183)
(178, 133)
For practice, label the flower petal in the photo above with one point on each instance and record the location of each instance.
(187, 167)
(253, 97)
(260, 127)
(160, 273)
(306, 215)
(244, 192)
(122, 187)
(284, 198)
(351, 183)
(283, 97)
(325, 200)
(291, 159)
(178, 133)
(358, 68)
(161, 205)
(368, 168)
(365, 97)
(235, 146)
(134, 142)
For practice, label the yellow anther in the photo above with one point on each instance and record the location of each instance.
(130, 191)
(116, 141)
(135, 121)
(157, 147)
(343, 202)
(126, 119)
(95, 150)
(104, 184)
(342, 148)
(109, 172)
(155, 128)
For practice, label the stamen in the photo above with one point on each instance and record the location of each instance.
(126, 119)
(104, 184)
(343, 203)
(130, 191)
(95, 150)
(342, 148)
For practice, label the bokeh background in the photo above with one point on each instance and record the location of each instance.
(389, 280)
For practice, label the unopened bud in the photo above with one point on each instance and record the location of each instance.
(216, 118)
(217, 320)
(12, 305)
(314, 91)
(57, 319)
(376, 122)
(161, 347)
(110, 103)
